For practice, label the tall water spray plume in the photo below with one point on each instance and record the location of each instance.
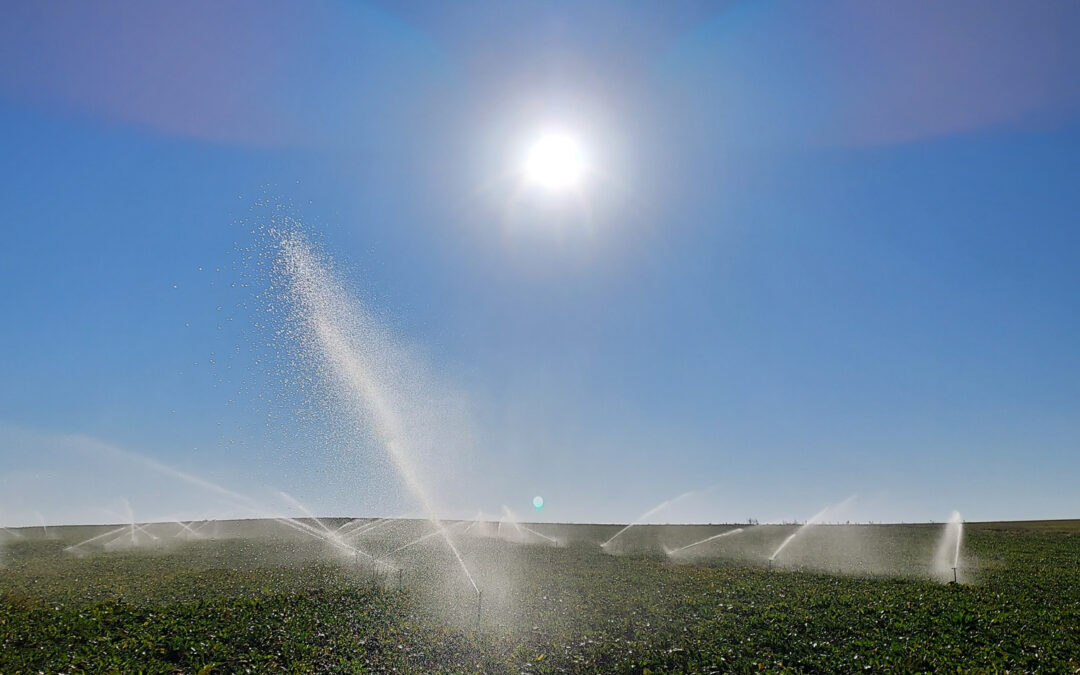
(360, 359)
(947, 558)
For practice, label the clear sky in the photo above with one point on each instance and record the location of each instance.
(824, 249)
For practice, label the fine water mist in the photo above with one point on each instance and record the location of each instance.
(947, 558)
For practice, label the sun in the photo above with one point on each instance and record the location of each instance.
(555, 162)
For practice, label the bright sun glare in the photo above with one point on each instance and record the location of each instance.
(555, 162)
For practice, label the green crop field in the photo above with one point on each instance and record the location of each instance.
(255, 597)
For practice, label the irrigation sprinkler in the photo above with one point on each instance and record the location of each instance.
(954, 575)
(479, 598)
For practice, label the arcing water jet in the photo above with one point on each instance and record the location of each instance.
(814, 520)
(331, 534)
(521, 529)
(235, 498)
(640, 519)
(704, 541)
(416, 541)
(41, 519)
(534, 533)
(185, 529)
(475, 520)
(91, 540)
(348, 342)
(365, 528)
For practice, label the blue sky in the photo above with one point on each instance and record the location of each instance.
(829, 250)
